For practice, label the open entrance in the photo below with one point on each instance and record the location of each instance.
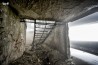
(29, 34)
(83, 34)
(38, 31)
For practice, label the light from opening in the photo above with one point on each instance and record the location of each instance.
(30, 27)
(87, 32)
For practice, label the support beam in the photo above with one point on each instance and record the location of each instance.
(65, 40)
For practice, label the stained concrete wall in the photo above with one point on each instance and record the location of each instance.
(59, 40)
(12, 35)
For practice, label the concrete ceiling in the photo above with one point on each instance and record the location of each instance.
(58, 10)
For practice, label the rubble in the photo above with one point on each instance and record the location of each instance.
(40, 56)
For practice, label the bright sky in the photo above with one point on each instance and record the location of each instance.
(87, 32)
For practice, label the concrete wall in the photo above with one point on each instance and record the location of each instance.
(12, 36)
(59, 40)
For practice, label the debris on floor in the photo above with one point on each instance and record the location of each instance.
(40, 56)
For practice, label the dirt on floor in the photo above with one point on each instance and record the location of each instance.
(40, 56)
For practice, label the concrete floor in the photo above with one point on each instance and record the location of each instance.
(86, 58)
(79, 62)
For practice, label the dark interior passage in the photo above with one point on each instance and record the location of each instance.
(36, 32)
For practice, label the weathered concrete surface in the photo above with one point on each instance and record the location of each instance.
(59, 40)
(12, 33)
(55, 50)
(59, 10)
(12, 36)
(41, 56)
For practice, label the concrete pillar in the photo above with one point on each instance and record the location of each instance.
(64, 40)
(59, 40)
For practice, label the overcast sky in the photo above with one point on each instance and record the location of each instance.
(93, 18)
(85, 29)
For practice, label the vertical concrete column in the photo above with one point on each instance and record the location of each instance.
(64, 40)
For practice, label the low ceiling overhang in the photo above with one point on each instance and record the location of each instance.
(58, 10)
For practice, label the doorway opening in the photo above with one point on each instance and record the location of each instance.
(83, 34)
